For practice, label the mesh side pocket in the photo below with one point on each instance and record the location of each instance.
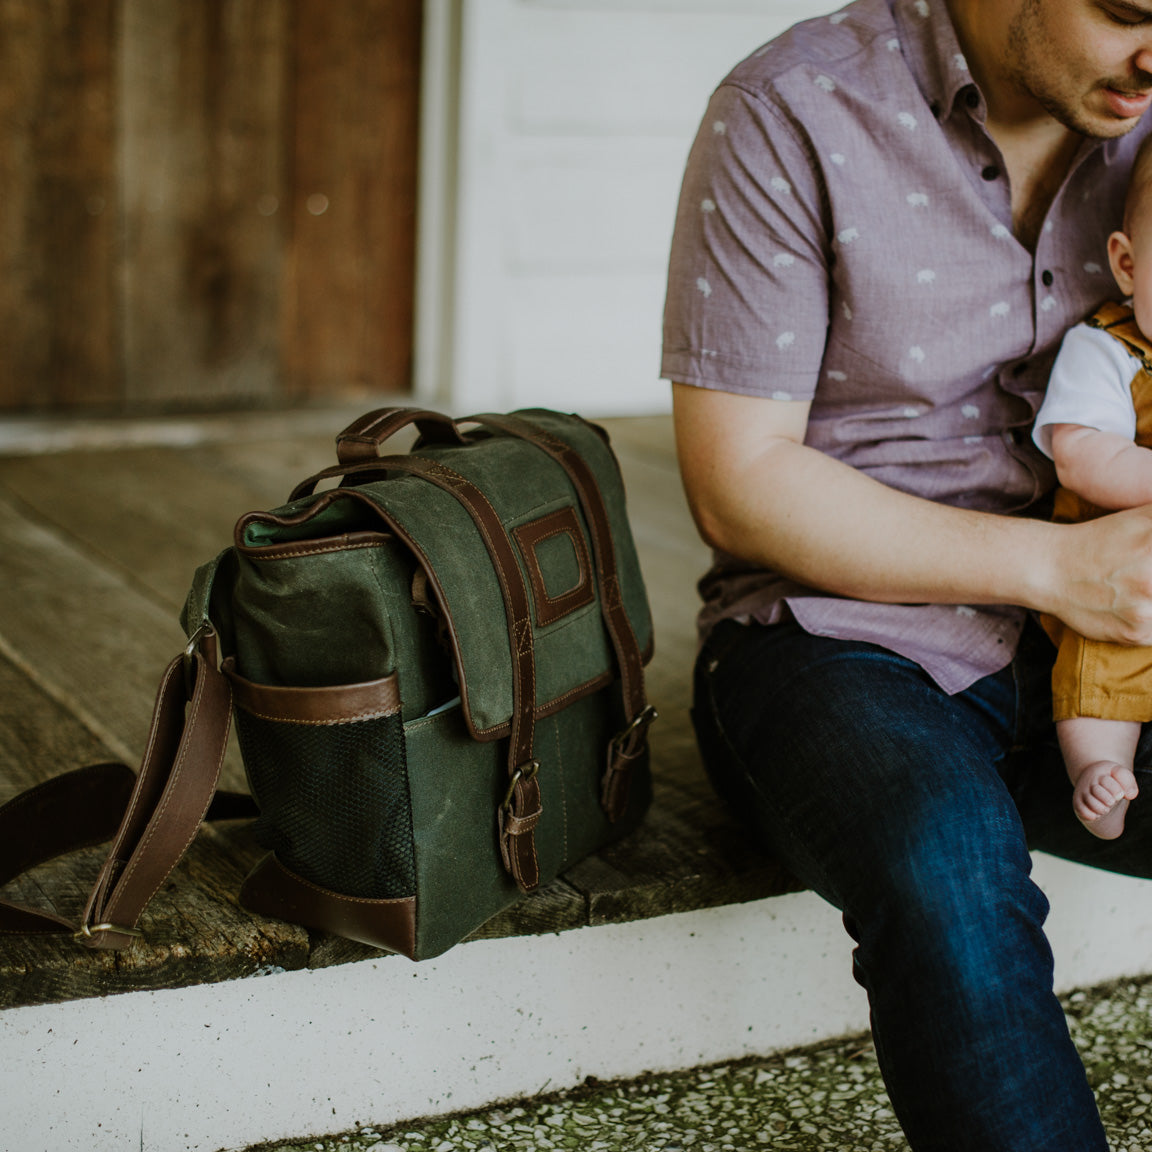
(334, 801)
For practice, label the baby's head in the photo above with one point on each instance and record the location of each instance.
(1130, 251)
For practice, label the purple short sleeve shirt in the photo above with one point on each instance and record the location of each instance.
(844, 237)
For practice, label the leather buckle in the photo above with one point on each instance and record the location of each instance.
(205, 629)
(524, 772)
(638, 727)
(85, 931)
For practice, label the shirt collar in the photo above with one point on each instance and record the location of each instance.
(932, 50)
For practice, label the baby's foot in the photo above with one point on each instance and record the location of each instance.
(1101, 798)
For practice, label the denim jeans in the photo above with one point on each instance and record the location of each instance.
(913, 812)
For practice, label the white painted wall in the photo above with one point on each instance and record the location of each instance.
(555, 136)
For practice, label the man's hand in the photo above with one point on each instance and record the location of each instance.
(1102, 576)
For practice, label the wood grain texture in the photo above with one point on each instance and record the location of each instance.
(152, 515)
(348, 306)
(58, 187)
(202, 153)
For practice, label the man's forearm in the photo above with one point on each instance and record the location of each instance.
(823, 523)
(758, 493)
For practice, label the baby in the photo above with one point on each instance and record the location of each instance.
(1096, 425)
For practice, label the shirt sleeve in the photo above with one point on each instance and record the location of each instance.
(747, 303)
(1090, 385)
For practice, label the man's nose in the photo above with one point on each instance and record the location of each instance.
(1143, 57)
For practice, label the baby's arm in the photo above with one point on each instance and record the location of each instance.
(1104, 467)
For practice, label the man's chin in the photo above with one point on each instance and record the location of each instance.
(1098, 125)
(1107, 114)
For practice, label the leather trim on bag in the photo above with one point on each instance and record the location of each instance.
(496, 731)
(529, 537)
(334, 704)
(170, 799)
(272, 890)
(312, 545)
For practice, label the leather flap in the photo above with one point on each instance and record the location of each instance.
(531, 496)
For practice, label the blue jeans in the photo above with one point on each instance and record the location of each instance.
(913, 812)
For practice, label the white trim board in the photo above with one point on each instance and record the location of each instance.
(301, 1053)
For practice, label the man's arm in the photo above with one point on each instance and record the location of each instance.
(1104, 467)
(757, 492)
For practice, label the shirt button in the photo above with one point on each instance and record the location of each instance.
(991, 172)
(1047, 278)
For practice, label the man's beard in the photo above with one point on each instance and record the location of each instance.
(1063, 108)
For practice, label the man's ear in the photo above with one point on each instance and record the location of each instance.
(1121, 261)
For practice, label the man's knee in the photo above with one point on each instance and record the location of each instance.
(963, 911)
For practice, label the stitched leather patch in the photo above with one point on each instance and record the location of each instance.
(550, 533)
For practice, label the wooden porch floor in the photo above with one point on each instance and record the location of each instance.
(97, 548)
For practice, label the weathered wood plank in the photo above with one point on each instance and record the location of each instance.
(650, 436)
(58, 229)
(194, 930)
(203, 134)
(349, 297)
(689, 854)
(152, 514)
(82, 631)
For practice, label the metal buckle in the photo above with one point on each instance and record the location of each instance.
(86, 931)
(524, 772)
(642, 720)
(205, 629)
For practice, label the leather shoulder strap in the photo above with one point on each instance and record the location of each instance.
(151, 818)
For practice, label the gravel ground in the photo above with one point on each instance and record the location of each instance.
(824, 1099)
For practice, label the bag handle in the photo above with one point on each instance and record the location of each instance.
(151, 818)
(362, 439)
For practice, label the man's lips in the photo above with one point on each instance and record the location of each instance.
(1126, 105)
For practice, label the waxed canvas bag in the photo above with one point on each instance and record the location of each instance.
(436, 674)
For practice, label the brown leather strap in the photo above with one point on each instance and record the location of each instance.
(175, 785)
(362, 438)
(76, 810)
(272, 890)
(626, 748)
(520, 812)
(152, 818)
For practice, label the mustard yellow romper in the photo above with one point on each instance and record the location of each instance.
(1091, 677)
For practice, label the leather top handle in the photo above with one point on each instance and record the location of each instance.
(362, 439)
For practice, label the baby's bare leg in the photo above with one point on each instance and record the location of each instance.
(1098, 755)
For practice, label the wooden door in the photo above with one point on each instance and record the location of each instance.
(207, 205)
